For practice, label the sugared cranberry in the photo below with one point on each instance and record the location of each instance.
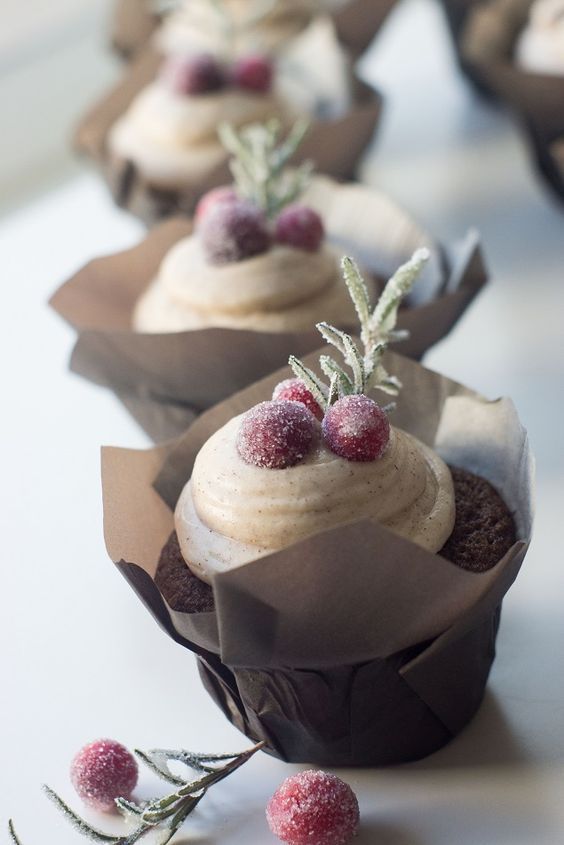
(234, 231)
(193, 74)
(276, 434)
(356, 428)
(103, 771)
(301, 227)
(313, 808)
(295, 390)
(254, 73)
(221, 195)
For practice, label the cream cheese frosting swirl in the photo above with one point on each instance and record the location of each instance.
(284, 289)
(173, 138)
(540, 47)
(231, 512)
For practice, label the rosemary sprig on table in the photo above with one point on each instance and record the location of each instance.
(169, 812)
(377, 331)
(260, 163)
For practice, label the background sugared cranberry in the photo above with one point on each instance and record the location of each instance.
(234, 231)
(217, 196)
(301, 227)
(295, 390)
(103, 771)
(313, 808)
(276, 435)
(356, 428)
(193, 74)
(254, 73)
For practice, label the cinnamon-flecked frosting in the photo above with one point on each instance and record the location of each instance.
(283, 289)
(231, 512)
(172, 138)
(540, 47)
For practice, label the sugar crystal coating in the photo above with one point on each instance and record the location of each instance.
(192, 75)
(103, 771)
(301, 227)
(356, 428)
(254, 73)
(313, 808)
(276, 434)
(234, 231)
(223, 194)
(295, 390)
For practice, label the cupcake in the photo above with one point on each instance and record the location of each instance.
(245, 282)
(540, 46)
(169, 132)
(192, 24)
(509, 49)
(258, 257)
(332, 560)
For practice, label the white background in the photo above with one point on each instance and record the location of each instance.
(80, 656)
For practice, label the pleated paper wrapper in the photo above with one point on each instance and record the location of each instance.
(134, 23)
(354, 646)
(487, 35)
(166, 380)
(338, 136)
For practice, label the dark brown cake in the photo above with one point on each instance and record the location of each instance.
(483, 532)
(484, 528)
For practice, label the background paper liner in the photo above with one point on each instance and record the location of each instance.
(334, 144)
(356, 24)
(165, 380)
(352, 647)
(487, 36)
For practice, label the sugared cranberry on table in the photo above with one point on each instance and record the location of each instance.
(313, 808)
(217, 196)
(295, 390)
(103, 771)
(301, 227)
(193, 74)
(254, 73)
(234, 231)
(356, 428)
(276, 435)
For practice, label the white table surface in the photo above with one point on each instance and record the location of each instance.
(80, 656)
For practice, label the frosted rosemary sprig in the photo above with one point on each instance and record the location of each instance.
(169, 812)
(377, 331)
(260, 163)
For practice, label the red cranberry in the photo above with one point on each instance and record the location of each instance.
(356, 428)
(295, 390)
(193, 74)
(234, 231)
(254, 73)
(276, 434)
(223, 194)
(103, 771)
(313, 808)
(301, 227)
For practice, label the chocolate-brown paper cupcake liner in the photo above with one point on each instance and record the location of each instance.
(335, 144)
(165, 380)
(354, 646)
(487, 37)
(356, 24)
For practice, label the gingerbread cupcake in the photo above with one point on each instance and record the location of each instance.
(330, 559)
(245, 282)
